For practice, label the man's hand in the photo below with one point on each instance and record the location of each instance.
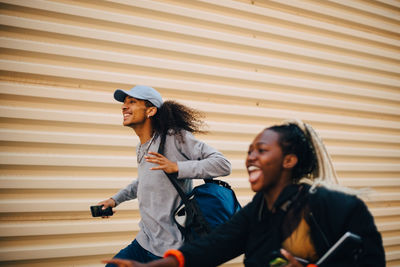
(164, 163)
(107, 203)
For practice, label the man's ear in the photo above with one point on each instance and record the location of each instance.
(289, 161)
(151, 111)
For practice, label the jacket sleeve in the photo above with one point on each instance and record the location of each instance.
(221, 245)
(203, 160)
(127, 193)
(361, 222)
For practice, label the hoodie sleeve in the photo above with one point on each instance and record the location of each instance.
(203, 160)
(127, 193)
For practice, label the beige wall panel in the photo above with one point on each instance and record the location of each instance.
(245, 64)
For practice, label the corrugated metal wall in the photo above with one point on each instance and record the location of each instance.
(246, 64)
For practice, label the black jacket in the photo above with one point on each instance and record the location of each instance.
(255, 231)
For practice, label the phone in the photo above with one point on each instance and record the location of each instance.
(348, 244)
(97, 211)
(280, 260)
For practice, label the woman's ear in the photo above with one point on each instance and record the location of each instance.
(289, 161)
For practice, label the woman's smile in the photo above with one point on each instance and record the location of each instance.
(254, 173)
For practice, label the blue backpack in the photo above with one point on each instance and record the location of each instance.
(205, 207)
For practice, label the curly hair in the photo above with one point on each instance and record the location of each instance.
(175, 117)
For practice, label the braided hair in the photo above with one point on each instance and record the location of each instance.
(314, 162)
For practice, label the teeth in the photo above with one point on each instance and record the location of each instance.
(252, 168)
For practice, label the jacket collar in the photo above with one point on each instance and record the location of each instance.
(283, 202)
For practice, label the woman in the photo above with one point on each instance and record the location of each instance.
(289, 217)
(150, 117)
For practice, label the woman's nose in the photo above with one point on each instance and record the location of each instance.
(251, 155)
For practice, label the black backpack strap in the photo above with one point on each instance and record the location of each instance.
(195, 218)
(172, 176)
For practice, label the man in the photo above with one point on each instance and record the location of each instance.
(150, 117)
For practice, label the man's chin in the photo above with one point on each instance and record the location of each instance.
(127, 124)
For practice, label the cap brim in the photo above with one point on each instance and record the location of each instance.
(120, 95)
